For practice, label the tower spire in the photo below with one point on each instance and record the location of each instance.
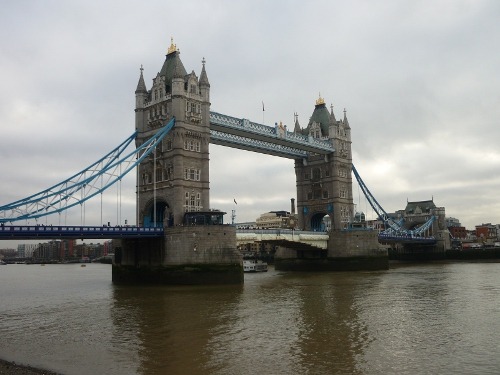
(141, 85)
(346, 123)
(333, 120)
(173, 47)
(203, 75)
(297, 128)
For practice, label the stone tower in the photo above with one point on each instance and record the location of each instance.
(175, 178)
(324, 183)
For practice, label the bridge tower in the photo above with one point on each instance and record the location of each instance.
(324, 183)
(175, 179)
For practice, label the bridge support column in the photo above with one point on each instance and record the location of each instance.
(347, 251)
(186, 255)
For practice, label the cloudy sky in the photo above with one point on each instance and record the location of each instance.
(419, 81)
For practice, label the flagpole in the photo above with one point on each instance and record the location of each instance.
(263, 113)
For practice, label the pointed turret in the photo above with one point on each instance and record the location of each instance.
(141, 85)
(141, 97)
(346, 123)
(203, 75)
(203, 82)
(297, 128)
(333, 120)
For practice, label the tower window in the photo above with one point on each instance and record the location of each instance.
(316, 174)
(192, 174)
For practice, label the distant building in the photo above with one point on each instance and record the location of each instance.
(452, 222)
(486, 232)
(418, 213)
(458, 232)
(276, 219)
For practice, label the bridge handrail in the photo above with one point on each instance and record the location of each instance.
(69, 230)
(77, 228)
(280, 231)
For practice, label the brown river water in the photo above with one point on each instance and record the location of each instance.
(436, 318)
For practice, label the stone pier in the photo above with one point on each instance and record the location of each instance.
(185, 255)
(356, 250)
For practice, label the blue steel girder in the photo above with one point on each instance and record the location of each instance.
(250, 144)
(242, 133)
(394, 228)
(86, 184)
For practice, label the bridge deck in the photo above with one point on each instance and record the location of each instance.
(15, 232)
(284, 237)
(385, 239)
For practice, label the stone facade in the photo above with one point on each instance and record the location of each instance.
(175, 179)
(324, 183)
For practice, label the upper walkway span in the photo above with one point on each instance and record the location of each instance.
(278, 141)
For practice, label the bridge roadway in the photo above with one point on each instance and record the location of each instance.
(285, 237)
(293, 239)
(33, 232)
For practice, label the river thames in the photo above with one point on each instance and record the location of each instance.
(436, 318)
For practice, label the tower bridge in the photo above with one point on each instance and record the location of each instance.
(174, 126)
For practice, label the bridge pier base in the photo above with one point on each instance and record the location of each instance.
(347, 251)
(186, 255)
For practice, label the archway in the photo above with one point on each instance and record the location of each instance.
(320, 222)
(163, 215)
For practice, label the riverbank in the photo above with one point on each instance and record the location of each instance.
(12, 368)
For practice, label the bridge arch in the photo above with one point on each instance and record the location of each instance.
(163, 217)
(319, 221)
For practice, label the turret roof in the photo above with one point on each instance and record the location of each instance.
(203, 76)
(346, 123)
(297, 128)
(172, 67)
(141, 85)
(320, 116)
(425, 206)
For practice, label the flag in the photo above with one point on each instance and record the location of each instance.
(234, 201)
(262, 106)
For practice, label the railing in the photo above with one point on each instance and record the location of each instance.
(88, 232)
(277, 231)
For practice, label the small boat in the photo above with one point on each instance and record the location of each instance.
(254, 265)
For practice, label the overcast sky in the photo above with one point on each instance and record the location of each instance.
(419, 80)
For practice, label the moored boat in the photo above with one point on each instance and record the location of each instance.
(254, 265)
